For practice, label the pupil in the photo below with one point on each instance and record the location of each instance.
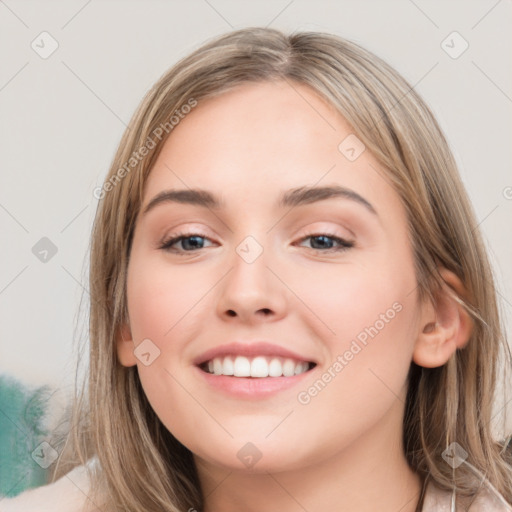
(322, 237)
(185, 241)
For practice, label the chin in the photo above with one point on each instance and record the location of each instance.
(253, 457)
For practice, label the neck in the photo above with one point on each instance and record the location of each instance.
(369, 474)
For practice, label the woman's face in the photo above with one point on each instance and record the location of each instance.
(320, 280)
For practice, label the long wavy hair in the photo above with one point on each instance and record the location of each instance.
(142, 467)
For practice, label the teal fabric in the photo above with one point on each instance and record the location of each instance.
(22, 413)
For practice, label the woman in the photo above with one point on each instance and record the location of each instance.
(291, 306)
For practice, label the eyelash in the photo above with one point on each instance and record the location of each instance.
(167, 245)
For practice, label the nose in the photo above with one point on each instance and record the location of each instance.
(252, 291)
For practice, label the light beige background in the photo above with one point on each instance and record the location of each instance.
(62, 118)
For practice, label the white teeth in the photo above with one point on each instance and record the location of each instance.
(288, 368)
(217, 366)
(259, 366)
(228, 368)
(275, 368)
(301, 368)
(242, 367)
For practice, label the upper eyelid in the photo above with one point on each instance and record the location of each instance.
(185, 233)
(193, 230)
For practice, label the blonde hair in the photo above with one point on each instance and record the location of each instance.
(143, 467)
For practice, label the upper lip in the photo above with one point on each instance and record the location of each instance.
(250, 349)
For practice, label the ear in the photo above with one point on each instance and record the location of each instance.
(445, 326)
(125, 347)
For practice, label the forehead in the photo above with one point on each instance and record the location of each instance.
(260, 139)
(260, 120)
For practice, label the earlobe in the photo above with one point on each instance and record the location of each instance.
(445, 326)
(125, 347)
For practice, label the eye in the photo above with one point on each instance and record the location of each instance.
(322, 240)
(188, 241)
(191, 242)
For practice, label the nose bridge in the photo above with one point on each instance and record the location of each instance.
(249, 273)
(251, 286)
(251, 249)
(253, 237)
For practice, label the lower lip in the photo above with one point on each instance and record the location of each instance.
(251, 387)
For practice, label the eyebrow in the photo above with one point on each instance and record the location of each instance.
(291, 198)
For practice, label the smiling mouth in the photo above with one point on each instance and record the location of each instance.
(257, 367)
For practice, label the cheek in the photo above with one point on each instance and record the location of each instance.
(167, 306)
(163, 299)
(352, 301)
(374, 318)
(364, 380)
(368, 324)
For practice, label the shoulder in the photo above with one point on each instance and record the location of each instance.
(70, 493)
(487, 500)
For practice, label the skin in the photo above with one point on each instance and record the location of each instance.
(343, 449)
